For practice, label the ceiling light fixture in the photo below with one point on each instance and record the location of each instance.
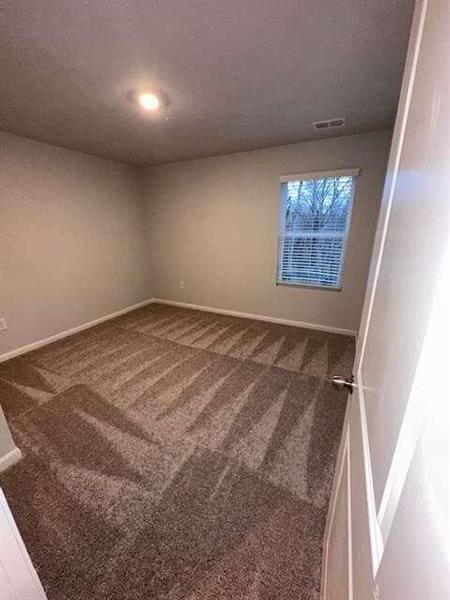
(149, 101)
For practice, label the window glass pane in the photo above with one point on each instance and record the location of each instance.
(315, 218)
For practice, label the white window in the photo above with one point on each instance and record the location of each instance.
(315, 214)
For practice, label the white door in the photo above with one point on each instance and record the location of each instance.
(386, 532)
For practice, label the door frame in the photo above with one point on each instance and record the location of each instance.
(18, 578)
(342, 461)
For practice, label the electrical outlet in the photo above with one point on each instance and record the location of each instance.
(3, 324)
(182, 285)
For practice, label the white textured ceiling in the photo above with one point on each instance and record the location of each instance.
(239, 74)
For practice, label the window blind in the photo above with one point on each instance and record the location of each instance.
(315, 213)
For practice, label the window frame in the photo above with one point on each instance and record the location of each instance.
(351, 172)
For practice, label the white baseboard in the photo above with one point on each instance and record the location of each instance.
(234, 313)
(221, 311)
(63, 334)
(10, 459)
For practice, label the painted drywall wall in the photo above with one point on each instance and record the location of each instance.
(80, 239)
(73, 239)
(213, 229)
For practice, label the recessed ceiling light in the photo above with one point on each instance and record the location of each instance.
(149, 101)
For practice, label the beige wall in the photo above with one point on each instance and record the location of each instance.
(79, 240)
(73, 239)
(213, 224)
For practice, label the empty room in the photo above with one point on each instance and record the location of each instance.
(224, 291)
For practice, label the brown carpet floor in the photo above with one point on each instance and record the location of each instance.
(176, 454)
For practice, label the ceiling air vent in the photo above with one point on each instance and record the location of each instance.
(330, 124)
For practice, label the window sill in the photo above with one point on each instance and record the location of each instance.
(310, 286)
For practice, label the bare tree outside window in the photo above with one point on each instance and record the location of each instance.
(315, 221)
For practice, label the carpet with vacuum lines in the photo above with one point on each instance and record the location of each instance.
(176, 454)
